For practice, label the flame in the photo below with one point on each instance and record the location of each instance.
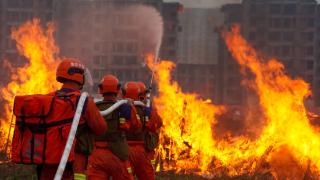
(282, 100)
(287, 145)
(37, 76)
(186, 139)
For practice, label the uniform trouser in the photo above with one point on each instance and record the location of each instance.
(48, 171)
(80, 166)
(103, 164)
(151, 156)
(141, 163)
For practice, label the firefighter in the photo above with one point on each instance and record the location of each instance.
(70, 73)
(153, 126)
(110, 155)
(138, 156)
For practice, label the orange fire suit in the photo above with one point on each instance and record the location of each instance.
(138, 156)
(90, 116)
(110, 155)
(153, 126)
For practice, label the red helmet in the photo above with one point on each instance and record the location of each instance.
(70, 69)
(143, 90)
(131, 90)
(109, 84)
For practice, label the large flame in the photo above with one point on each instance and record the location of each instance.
(282, 99)
(187, 122)
(287, 146)
(37, 76)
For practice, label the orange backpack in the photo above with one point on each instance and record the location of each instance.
(42, 127)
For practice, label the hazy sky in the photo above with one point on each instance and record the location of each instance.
(205, 3)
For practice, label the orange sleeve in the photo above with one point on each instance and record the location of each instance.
(94, 119)
(155, 122)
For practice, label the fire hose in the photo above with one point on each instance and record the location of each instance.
(137, 103)
(71, 136)
(74, 127)
(113, 107)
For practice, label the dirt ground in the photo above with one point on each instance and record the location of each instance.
(10, 171)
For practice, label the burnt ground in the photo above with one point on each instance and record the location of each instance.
(11, 171)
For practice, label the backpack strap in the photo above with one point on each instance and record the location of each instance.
(45, 139)
(22, 130)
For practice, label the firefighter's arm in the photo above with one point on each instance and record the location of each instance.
(128, 118)
(94, 119)
(135, 122)
(154, 122)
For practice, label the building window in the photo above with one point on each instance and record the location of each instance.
(285, 50)
(24, 16)
(97, 60)
(49, 3)
(253, 21)
(274, 36)
(288, 36)
(27, 3)
(308, 9)
(308, 51)
(276, 51)
(104, 59)
(13, 16)
(310, 22)
(105, 46)
(131, 60)
(307, 36)
(310, 65)
(96, 46)
(289, 22)
(181, 71)
(116, 33)
(118, 60)
(118, 47)
(253, 8)
(275, 23)
(129, 47)
(275, 8)
(290, 9)
(252, 36)
(13, 3)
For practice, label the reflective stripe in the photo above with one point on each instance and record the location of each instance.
(138, 117)
(129, 170)
(79, 176)
(153, 161)
(122, 120)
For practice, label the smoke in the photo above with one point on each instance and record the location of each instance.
(102, 32)
(151, 24)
